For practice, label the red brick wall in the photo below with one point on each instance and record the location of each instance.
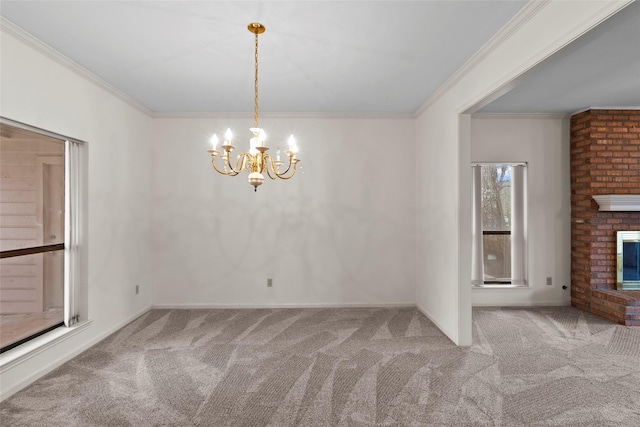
(605, 159)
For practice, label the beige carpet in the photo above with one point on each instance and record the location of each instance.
(344, 367)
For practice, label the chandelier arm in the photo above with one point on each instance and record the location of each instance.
(231, 172)
(247, 161)
(264, 164)
(228, 173)
(231, 168)
(269, 166)
(288, 167)
(283, 174)
(213, 163)
(293, 172)
(240, 163)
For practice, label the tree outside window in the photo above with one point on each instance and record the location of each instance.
(496, 221)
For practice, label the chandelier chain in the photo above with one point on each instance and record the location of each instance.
(255, 111)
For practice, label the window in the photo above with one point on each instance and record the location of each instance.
(499, 224)
(38, 232)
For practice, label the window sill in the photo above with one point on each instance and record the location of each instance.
(37, 345)
(500, 287)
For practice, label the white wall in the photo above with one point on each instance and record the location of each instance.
(542, 142)
(338, 233)
(437, 220)
(443, 190)
(40, 91)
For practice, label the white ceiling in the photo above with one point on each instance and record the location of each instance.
(600, 69)
(316, 56)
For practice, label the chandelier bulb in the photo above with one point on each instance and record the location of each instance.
(228, 135)
(214, 141)
(293, 147)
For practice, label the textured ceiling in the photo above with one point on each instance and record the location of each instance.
(321, 56)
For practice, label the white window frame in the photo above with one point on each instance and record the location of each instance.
(518, 233)
(75, 268)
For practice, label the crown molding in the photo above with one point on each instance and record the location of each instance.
(201, 115)
(24, 37)
(530, 10)
(541, 116)
(619, 108)
(334, 116)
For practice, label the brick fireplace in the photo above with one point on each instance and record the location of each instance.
(605, 159)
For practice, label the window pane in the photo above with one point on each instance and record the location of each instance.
(32, 200)
(497, 257)
(31, 295)
(496, 198)
(31, 189)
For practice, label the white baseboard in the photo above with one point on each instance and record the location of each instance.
(288, 305)
(435, 322)
(525, 304)
(6, 393)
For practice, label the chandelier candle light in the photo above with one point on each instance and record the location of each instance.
(256, 160)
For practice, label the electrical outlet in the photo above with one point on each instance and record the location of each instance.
(137, 289)
(549, 283)
(269, 283)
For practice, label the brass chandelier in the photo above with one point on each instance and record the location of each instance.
(256, 160)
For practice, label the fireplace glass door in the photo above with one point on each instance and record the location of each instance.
(628, 260)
